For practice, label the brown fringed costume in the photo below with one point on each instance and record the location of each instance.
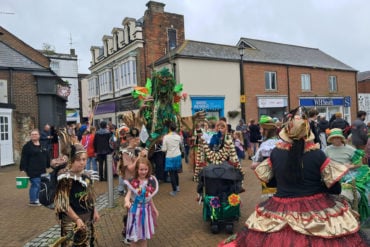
(75, 191)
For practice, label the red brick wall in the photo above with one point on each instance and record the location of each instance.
(155, 34)
(254, 78)
(364, 86)
(24, 95)
(23, 48)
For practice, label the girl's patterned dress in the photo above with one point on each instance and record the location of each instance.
(141, 219)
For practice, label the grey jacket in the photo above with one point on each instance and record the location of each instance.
(359, 133)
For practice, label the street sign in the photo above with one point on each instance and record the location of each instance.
(242, 98)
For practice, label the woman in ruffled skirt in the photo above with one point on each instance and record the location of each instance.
(306, 209)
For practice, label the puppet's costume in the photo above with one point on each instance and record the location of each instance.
(141, 219)
(225, 152)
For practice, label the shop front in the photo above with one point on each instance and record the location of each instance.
(328, 106)
(272, 106)
(104, 112)
(213, 106)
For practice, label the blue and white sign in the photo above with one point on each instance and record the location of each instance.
(207, 104)
(325, 101)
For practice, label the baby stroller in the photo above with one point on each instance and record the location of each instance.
(219, 186)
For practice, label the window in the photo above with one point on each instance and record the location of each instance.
(333, 83)
(105, 81)
(270, 80)
(4, 128)
(117, 77)
(128, 73)
(54, 65)
(306, 82)
(172, 39)
(93, 87)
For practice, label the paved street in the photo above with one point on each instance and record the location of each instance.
(180, 222)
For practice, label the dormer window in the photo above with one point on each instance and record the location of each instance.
(246, 45)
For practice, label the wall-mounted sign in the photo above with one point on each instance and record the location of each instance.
(323, 102)
(63, 91)
(271, 102)
(242, 98)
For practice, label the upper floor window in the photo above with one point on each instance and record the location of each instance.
(172, 39)
(129, 76)
(117, 78)
(105, 82)
(54, 65)
(93, 87)
(306, 82)
(270, 80)
(333, 87)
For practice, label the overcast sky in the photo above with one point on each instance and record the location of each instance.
(339, 28)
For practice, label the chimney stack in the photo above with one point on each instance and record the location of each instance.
(155, 7)
(72, 52)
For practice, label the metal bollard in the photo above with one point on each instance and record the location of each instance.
(110, 180)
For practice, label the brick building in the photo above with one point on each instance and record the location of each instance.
(28, 95)
(277, 77)
(127, 58)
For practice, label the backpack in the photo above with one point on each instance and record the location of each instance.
(113, 143)
(48, 187)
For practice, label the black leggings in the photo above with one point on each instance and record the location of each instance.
(174, 179)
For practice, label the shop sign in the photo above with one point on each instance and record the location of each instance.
(204, 103)
(108, 107)
(323, 102)
(271, 102)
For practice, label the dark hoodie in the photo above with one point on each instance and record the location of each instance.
(101, 141)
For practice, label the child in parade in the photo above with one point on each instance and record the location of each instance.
(129, 153)
(75, 201)
(239, 146)
(143, 213)
(88, 143)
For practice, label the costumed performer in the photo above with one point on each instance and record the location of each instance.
(126, 168)
(75, 201)
(221, 148)
(271, 138)
(306, 209)
(143, 213)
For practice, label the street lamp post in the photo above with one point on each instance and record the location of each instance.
(241, 49)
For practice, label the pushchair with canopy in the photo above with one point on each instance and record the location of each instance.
(219, 187)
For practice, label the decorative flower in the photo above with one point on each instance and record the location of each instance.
(135, 183)
(176, 98)
(215, 202)
(234, 200)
